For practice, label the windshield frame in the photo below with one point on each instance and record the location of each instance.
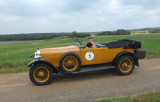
(76, 39)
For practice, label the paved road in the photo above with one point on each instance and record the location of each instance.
(82, 87)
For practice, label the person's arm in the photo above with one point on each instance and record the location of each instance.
(94, 45)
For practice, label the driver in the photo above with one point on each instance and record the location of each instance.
(90, 43)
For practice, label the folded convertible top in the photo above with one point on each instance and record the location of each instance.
(125, 43)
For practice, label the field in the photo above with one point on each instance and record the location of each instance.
(149, 97)
(14, 55)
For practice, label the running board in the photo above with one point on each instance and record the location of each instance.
(95, 68)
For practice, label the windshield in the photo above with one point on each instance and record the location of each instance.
(78, 42)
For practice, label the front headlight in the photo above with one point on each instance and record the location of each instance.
(37, 54)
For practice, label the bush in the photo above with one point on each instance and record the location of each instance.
(80, 35)
(155, 30)
(118, 32)
(122, 32)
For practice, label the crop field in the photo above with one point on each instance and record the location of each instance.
(14, 55)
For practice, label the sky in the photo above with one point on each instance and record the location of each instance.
(41, 16)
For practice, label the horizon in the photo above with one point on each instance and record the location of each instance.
(78, 32)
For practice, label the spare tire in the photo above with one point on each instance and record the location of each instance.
(69, 62)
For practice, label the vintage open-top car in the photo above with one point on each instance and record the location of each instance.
(122, 55)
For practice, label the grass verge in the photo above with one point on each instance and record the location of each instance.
(149, 97)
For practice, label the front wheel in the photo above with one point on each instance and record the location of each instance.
(125, 65)
(41, 74)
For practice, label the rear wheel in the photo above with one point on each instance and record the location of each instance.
(125, 65)
(41, 74)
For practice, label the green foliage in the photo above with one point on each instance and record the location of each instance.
(80, 35)
(155, 30)
(122, 32)
(40, 36)
(35, 36)
(106, 33)
(118, 32)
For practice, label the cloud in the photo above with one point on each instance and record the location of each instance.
(147, 4)
(27, 16)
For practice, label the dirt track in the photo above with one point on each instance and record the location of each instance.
(82, 87)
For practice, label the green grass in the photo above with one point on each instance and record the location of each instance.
(14, 55)
(149, 97)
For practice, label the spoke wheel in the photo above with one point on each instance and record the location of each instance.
(125, 65)
(70, 63)
(41, 74)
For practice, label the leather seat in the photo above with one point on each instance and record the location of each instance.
(100, 45)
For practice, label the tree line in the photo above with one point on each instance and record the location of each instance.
(39, 36)
(118, 32)
(80, 35)
(42, 36)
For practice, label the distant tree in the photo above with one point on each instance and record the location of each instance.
(122, 32)
(33, 36)
(118, 32)
(100, 34)
(74, 33)
(155, 30)
(108, 33)
(80, 35)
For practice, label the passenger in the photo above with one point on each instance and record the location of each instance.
(90, 43)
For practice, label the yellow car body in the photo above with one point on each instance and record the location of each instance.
(101, 55)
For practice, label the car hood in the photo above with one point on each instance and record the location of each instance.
(59, 49)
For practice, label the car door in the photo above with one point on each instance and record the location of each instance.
(92, 56)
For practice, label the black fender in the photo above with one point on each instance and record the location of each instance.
(126, 53)
(36, 61)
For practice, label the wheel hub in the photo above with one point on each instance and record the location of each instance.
(70, 63)
(41, 74)
(125, 65)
